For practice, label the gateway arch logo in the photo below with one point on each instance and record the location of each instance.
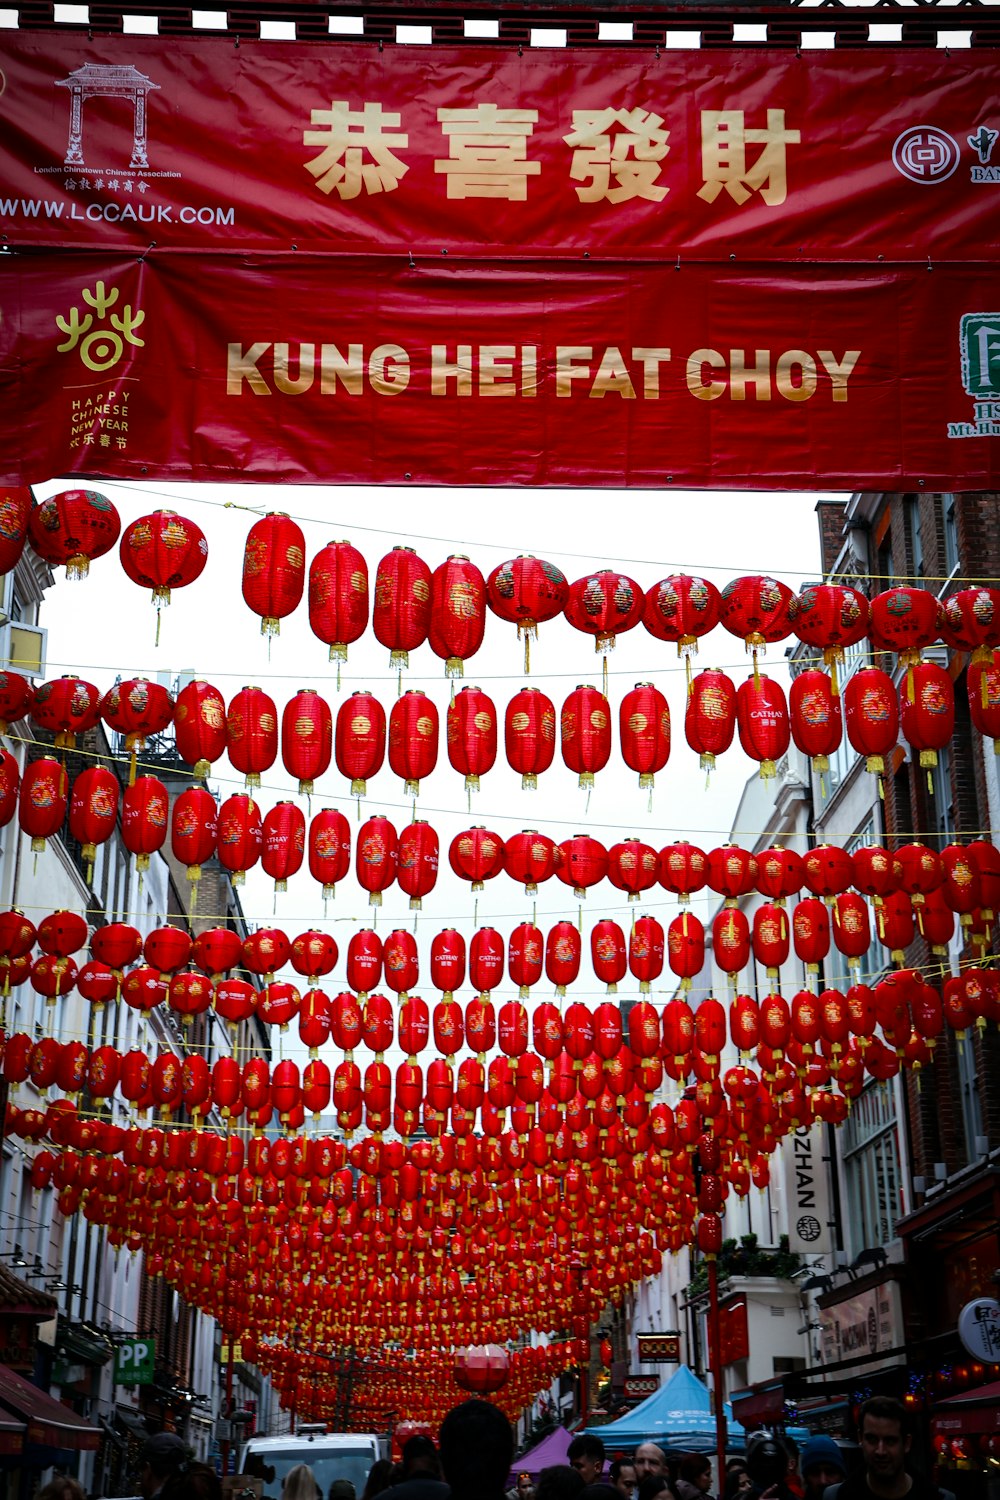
(107, 81)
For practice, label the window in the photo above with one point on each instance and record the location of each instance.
(972, 1107)
(940, 804)
(845, 755)
(950, 515)
(913, 536)
(885, 573)
(872, 1176)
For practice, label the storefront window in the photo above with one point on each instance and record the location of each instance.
(871, 1159)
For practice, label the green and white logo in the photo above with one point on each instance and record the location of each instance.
(980, 341)
(134, 1362)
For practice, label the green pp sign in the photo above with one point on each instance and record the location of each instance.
(134, 1362)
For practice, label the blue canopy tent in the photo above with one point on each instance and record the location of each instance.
(678, 1417)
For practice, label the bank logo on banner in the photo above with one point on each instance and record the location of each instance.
(925, 154)
(979, 341)
(982, 144)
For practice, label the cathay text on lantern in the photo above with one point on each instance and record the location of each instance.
(634, 372)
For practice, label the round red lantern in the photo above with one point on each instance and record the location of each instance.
(338, 597)
(633, 867)
(607, 954)
(530, 858)
(189, 994)
(525, 955)
(93, 811)
(530, 735)
(583, 862)
(762, 715)
(10, 785)
(284, 843)
(200, 725)
(163, 551)
(364, 961)
(306, 738)
(644, 731)
(983, 687)
(477, 855)
(682, 608)
(905, 620)
(274, 568)
(376, 855)
(145, 807)
(74, 528)
(683, 869)
(417, 861)
(252, 733)
(137, 709)
(709, 1235)
(472, 735)
(771, 937)
(827, 870)
(851, 927)
(482, 1368)
(830, 617)
(871, 715)
(413, 739)
(313, 954)
(585, 725)
(811, 932)
(16, 698)
(686, 947)
(329, 849)
(646, 952)
(194, 828)
(874, 871)
(66, 707)
(240, 837)
(486, 957)
(41, 807)
(400, 961)
(605, 604)
(16, 502)
(167, 948)
(710, 716)
(972, 622)
(731, 941)
(360, 741)
(562, 955)
(216, 950)
(731, 871)
(527, 592)
(401, 614)
(927, 710)
(817, 723)
(756, 609)
(458, 613)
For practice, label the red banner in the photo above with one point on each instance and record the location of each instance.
(217, 368)
(856, 155)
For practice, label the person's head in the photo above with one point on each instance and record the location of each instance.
(379, 1478)
(420, 1456)
(300, 1484)
(650, 1459)
(342, 1489)
(558, 1482)
(884, 1434)
(653, 1486)
(733, 1464)
(767, 1461)
(697, 1470)
(738, 1485)
(476, 1444)
(193, 1481)
(62, 1487)
(161, 1457)
(586, 1455)
(623, 1476)
(524, 1485)
(821, 1464)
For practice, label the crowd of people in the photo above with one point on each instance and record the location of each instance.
(473, 1457)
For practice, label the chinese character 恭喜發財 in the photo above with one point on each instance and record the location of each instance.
(628, 156)
(724, 139)
(346, 135)
(487, 152)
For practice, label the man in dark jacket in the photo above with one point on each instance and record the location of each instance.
(884, 1434)
(421, 1473)
(477, 1445)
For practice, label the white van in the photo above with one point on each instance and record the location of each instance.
(330, 1455)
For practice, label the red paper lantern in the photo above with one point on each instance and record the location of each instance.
(41, 809)
(16, 502)
(562, 956)
(607, 953)
(895, 924)
(472, 735)
(530, 735)
(830, 617)
(710, 716)
(189, 994)
(644, 730)
(161, 552)
(816, 720)
(851, 927)
(200, 725)
(871, 714)
(417, 861)
(874, 871)
(962, 889)
(93, 811)
(274, 569)
(905, 620)
(633, 867)
(682, 608)
(826, 870)
(194, 831)
(137, 709)
(329, 849)
(216, 950)
(458, 613)
(145, 807)
(66, 707)
(583, 862)
(284, 843)
(16, 698)
(482, 1368)
(486, 958)
(983, 687)
(686, 947)
(74, 528)
(762, 714)
(240, 837)
(936, 922)
(413, 739)
(360, 741)
(605, 604)
(756, 609)
(477, 855)
(771, 938)
(527, 592)
(400, 961)
(525, 957)
(401, 615)
(167, 948)
(731, 941)
(375, 857)
(306, 738)
(731, 871)
(314, 1020)
(364, 961)
(585, 725)
(927, 710)
(53, 976)
(530, 858)
(646, 952)
(811, 932)
(338, 597)
(683, 869)
(10, 785)
(252, 734)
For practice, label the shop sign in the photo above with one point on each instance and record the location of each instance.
(659, 1348)
(807, 1191)
(868, 1323)
(979, 1329)
(134, 1362)
(638, 1387)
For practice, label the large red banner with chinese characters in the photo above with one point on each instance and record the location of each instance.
(871, 154)
(312, 368)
